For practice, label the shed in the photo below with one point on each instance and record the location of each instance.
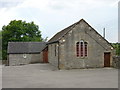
(20, 53)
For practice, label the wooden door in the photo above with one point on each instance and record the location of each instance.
(45, 55)
(107, 59)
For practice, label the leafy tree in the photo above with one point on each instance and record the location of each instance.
(45, 40)
(117, 48)
(18, 30)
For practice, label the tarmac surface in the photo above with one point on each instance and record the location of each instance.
(0, 76)
(46, 76)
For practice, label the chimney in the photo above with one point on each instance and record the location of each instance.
(104, 32)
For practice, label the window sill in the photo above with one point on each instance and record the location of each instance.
(83, 57)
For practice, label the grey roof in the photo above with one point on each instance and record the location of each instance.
(25, 47)
(60, 34)
(63, 32)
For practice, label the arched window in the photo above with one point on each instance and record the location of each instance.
(81, 49)
(85, 44)
(77, 49)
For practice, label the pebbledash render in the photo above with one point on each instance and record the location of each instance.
(79, 46)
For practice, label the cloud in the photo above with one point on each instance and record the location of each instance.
(115, 4)
(9, 3)
(54, 15)
(83, 4)
(57, 4)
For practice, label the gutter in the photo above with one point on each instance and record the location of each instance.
(52, 42)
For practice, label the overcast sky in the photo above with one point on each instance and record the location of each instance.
(55, 15)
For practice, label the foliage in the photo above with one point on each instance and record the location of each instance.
(45, 40)
(117, 48)
(18, 30)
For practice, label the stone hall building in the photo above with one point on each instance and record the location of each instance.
(77, 46)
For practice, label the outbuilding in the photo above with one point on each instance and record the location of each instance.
(21, 53)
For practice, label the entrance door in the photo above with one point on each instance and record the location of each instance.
(45, 55)
(107, 59)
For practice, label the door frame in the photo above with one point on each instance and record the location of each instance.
(45, 55)
(107, 59)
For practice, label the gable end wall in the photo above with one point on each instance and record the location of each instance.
(96, 48)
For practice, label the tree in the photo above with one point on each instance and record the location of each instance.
(18, 30)
(117, 48)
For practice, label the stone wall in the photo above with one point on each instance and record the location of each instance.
(22, 59)
(116, 62)
(0, 62)
(96, 48)
(37, 58)
(4, 62)
(96, 45)
(41, 57)
(53, 54)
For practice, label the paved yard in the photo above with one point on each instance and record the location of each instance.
(44, 76)
(0, 76)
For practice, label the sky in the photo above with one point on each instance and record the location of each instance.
(53, 16)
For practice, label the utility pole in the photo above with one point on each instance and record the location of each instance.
(104, 32)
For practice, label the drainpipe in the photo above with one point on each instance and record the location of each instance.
(58, 56)
(7, 63)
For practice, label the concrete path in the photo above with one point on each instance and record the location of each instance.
(45, 76)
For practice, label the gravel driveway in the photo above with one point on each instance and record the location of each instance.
(45, 76)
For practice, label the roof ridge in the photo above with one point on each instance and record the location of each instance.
(69, 27)
(29, 47)
(58, 36)
(97, 33)
(27, 42)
